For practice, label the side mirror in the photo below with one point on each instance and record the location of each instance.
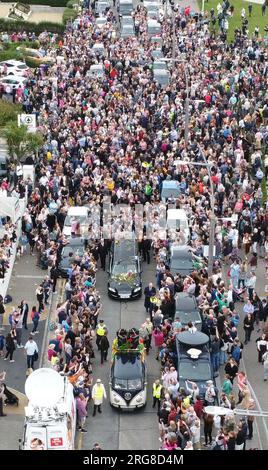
(108, 272)
(215, 375)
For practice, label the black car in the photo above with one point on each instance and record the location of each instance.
(124, 271)
(128, 383)
(71, 253)
(181, 261)
(187, 310)
(194, 361)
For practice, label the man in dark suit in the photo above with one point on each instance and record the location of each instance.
(24, 310)
(102, 253)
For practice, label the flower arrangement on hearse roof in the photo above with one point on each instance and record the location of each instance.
(128, 341)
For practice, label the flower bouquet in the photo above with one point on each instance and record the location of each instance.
(128, 277)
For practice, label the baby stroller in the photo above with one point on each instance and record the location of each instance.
(11, 398)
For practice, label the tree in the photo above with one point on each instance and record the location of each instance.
(20, 142)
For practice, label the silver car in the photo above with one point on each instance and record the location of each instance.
(127, 31)
(161, 77)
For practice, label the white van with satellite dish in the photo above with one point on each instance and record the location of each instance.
(50, 417)
(177, 220)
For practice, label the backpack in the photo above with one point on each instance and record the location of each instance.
(236, 353)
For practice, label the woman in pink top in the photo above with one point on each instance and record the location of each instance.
(158, 336)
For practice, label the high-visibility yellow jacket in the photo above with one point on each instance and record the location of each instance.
(157, 390)
(100, 329)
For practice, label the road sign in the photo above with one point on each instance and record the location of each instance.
(28, 120)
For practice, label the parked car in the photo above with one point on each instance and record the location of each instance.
(152, 10)
(73, 252)
(127, 20)
(124, 280)
(125, 7)
(96, 70)
(101, 7)
(194, 361)
(159, 65)
(181, 260)
(12, 82)
(157, 53)
(127, 31)
(187, 310)
(153, 27)
(162, 77)
(177, 220)
(80, 214)
(170, 190)
(99, 49)
(35, 54)
(14, 67)
(101, 22)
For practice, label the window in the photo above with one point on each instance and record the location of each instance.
(200, 371)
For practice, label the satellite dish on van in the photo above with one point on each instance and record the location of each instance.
(44, 387)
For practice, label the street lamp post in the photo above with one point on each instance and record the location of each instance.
(212, 203)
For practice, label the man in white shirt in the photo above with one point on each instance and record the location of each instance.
(31, 349)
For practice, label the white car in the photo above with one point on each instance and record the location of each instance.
(96, 70)
(101, 22)
(14, 67)
(12, 82)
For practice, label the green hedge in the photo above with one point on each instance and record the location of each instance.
(52, 3)
(8, 112)
(69, 14)
(71, 3)
(10, 26)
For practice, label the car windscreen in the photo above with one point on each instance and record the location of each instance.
(182, 263)
(132, 384)
(75, 250)
(123, 268)
(127, 367)
(185, 317)
(194, 370)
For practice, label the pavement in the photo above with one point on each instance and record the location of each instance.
(24, 280)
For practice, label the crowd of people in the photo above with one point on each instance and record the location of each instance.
(121, 135)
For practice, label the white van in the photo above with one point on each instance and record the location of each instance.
(125, 7)
(153, 27)
(50, 417)
(81, 214)
(177, 219)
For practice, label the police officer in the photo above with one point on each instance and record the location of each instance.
(157, 389)
(100, 332)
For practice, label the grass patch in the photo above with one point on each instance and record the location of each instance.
(10, 49)
(9, 112)
(235, 22)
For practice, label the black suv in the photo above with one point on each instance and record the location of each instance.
(124, 280)
(187, 310)
(194, 361)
